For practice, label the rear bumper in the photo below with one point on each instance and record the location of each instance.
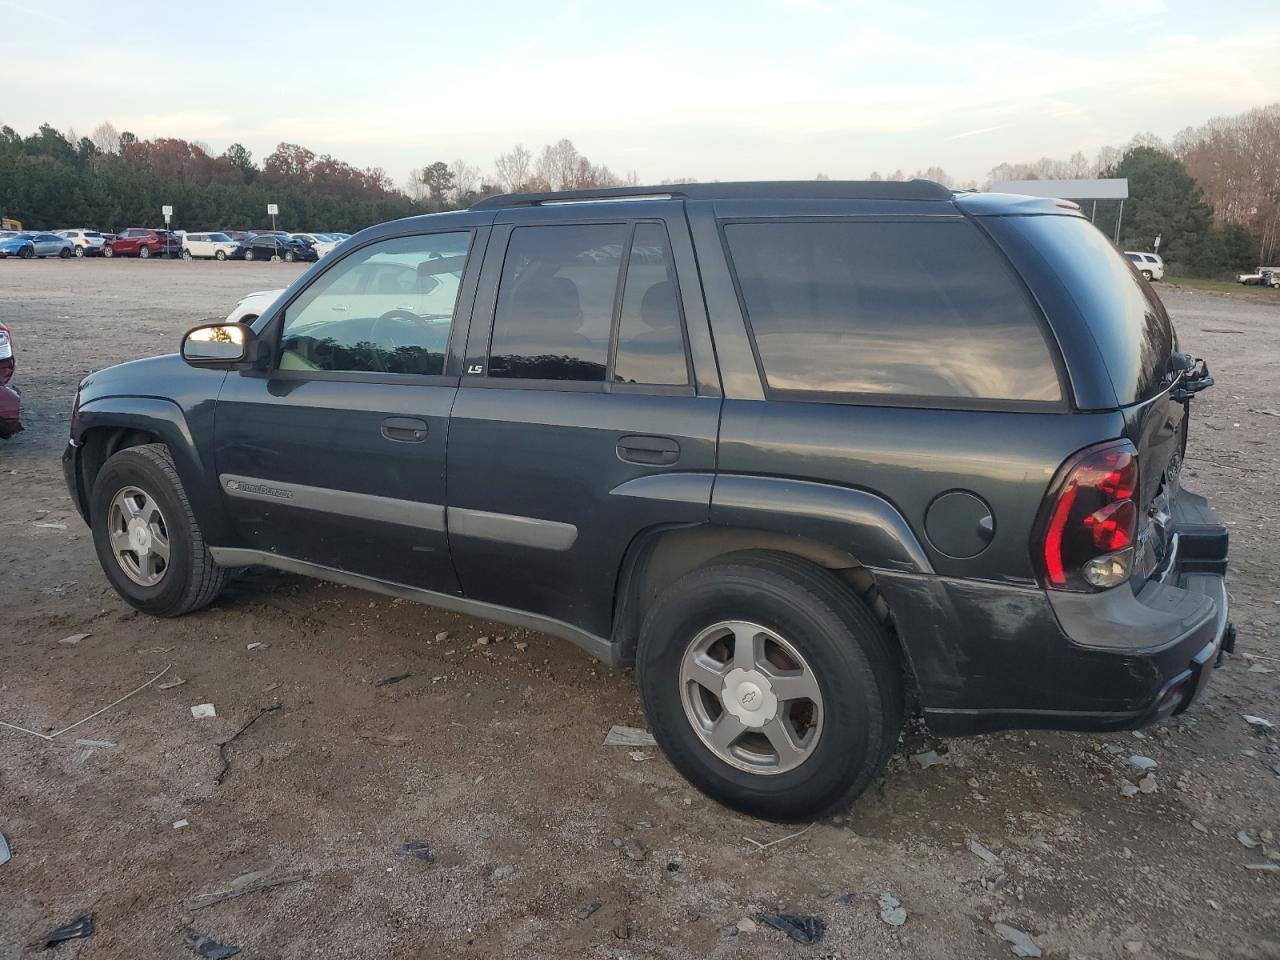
(999, 657)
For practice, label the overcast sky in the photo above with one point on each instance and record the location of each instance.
(751, 89)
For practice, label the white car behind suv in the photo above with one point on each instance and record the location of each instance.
(87, 242)
(216, 246)
(1148, 264)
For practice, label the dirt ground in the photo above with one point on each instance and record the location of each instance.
(492, 752)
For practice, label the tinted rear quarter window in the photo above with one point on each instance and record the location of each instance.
(889, 311)
(1128, 323)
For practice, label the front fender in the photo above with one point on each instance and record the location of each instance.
(165, 420)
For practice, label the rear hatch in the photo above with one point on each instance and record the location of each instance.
(1151, 382)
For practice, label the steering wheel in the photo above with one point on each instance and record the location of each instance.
(397, 316)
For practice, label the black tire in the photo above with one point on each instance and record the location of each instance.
(108, 251)
(849, 650)
(27, 253)
(186, 254)
(1146, 275)
(64, 253)
(220, 255)
(191, 580)
(144, 253)
(249, 255)
(289, 256)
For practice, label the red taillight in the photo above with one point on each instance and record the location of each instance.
(1091, 520)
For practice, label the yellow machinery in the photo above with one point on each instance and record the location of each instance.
(7, 224)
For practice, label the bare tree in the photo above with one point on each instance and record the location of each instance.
(512, 169)
(415, 188)
(106, 138)
(559, 164)
(465, 178)
(821, 176)
(874, 175)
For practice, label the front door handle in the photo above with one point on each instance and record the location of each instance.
(651, 451)
(404, 429)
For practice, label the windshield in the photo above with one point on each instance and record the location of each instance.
(1127, 320)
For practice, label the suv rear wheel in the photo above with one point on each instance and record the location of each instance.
(144, 252)
(770, 686)
(146, 536)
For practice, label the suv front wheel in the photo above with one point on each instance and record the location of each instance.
(770, 685)
(146, 536)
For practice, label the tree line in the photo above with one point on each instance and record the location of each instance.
(1212, 194)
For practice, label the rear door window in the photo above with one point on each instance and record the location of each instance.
(555, 302)
(888, 312)
(650, 347)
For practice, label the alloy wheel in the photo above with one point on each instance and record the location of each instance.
(751, 697)
(139, 536)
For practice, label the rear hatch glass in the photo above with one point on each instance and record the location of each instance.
(1127, 320)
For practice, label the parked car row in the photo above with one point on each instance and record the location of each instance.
(147, 242)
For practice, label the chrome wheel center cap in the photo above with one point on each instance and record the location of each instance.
(749, 696)
(139, 536)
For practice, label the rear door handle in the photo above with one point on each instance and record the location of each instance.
(651, 451)
(404, 429)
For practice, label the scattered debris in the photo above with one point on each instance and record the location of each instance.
(203, 711)
(847, 898)
(619, 736)
(1248, 841)
(1134, 946)
(170, 684)
(77, 929)
(442, 636)
(1142, 763)
(729, 930)
(985, 855)
(1128, 789)
(1199, 826)
(746, 925)
(622, 931)
(589, 909)
(97, 744)
(5, 853)
(790, 836)
(418, 849)
(1265, 867)
(635, 849)
(384, 739)
(255, 646)
(179, 824)
(75, 638)
(1257, 721)
(1024, 945)
(116, 703)
(388, 681)
(931, 758)
(891, 911)
(1148, 784)
(222, 747)
(800, 929)
(52, 526)
(639, 755)
(207, 947)
(502, 873)
(244, 884)
(484, 642)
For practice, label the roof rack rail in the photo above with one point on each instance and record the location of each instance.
(745, 190)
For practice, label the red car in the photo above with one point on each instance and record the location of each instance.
(143, 242)
(10, 401)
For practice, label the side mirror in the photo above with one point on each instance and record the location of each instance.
(222, 346)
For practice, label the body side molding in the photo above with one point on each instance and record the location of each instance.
(409, 513)
(867, 526)
(598, 647)
(510, 528)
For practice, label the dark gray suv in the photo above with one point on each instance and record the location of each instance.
(809, 455)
